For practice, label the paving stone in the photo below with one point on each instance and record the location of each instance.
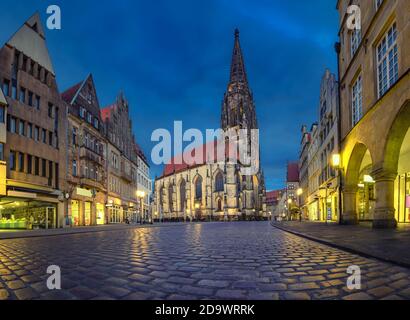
(358, 296)
(213, 283)
(17, 284)
(290, 295)
(303, 286)
(230, 294)
(83, 293)
(26, 294)
(380, 292)
(4, 294)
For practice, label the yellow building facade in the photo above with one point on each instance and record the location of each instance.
(375, 113)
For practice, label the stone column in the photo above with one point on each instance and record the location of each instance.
(384, 193)
(349, 206)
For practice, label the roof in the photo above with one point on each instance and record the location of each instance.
(208, 153)
(30, 39)
(70, 93)
(140, 153)
(106, 112)
(293, 172)
(2, 98)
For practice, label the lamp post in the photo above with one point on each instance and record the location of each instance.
(141, 196)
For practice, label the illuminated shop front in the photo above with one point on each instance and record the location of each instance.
(402, 183)
(115, 211)
(87, 213)
(100, 213)
(29, 214)
(75, 213)
(365, 199)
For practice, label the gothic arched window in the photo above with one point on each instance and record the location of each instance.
(198, 188)
(170, 202)
(219, 182)
(182, 194)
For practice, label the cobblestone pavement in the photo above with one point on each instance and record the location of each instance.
(195, 261)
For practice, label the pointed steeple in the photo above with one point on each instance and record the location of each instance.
(238, 73)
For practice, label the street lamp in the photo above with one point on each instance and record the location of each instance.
(299, 192)
(141, 196)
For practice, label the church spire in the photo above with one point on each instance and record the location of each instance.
(238, 73)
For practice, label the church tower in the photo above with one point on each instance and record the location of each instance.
(238, 109)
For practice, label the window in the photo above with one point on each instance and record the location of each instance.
(75, 168)
(22, 97)
(36, 133)
(12, 160)
(198, 188)
(182, 195)
(21, 162)
(21, 127)
(30, 131)
(50, 138)
(1, 151)
(89, 118)
(82, 112)
(37, 166)
(74, 136)
(96, 123)
(44, 167)
(37, 102)
(29, 164)
(6, 87)
(30, 98)
(12, 125)
(355, 39)
(44, 135)
(50, 110)
(2, 114)
(170, 198)
(14, 89)
(357, 101)
(387, 61)
(219, 182)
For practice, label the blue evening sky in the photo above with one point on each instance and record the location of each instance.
(172, 59)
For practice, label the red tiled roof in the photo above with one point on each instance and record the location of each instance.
(293, 172)
(178, 164)
(106, 112)
(69, 94)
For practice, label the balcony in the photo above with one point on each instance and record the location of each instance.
(91, 183)
(126, 176)
(90, 155)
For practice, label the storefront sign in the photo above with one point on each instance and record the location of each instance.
(84, 192)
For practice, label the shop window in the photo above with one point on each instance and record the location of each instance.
(1, 151)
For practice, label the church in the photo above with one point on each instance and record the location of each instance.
(216, 190)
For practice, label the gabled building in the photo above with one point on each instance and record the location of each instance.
(86, 156)
(143, 182)
(122, 163)
(33, 149)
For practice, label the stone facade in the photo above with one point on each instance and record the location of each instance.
(33, 146)
(375, 112)
(86, 156)
(320, 182)
(216, 191)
